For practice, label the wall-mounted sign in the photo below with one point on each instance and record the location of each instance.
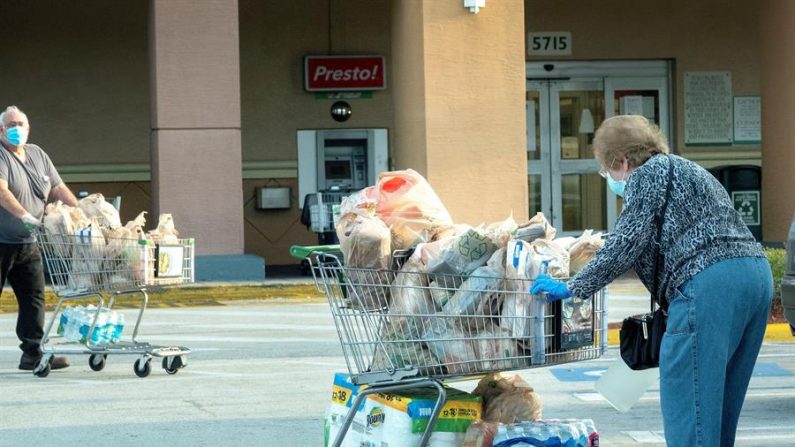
(549, 43)
(344, 73)
(708, 108)
(747, 204)
(747, 120)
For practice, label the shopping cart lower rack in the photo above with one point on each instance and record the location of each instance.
(401, 329)
(96, 270)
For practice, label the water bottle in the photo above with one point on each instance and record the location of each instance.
(97, 336)
(85, 322)
(64, 321)
(71, 331)
(538, 307)
(118, 328)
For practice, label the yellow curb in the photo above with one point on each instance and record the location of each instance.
(188, 296)
(778, 332)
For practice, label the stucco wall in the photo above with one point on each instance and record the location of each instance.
(80, 70)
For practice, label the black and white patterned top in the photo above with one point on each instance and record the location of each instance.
(701, 228)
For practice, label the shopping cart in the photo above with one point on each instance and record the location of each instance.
(90, 268)
(402, 330)
(320, 214)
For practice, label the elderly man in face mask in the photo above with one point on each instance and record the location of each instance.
(28, 180)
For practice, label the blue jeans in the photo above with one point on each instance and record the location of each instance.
(716, 324)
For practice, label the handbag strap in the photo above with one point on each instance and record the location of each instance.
(660, 218)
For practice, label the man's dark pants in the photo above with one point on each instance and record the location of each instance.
(21, 265)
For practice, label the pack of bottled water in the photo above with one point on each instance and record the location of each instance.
(549, 433)
(76, 321)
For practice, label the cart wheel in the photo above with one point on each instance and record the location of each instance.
(173, 364)
(97, 361)
(142, 367)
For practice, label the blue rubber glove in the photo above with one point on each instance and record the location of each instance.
(555, 290)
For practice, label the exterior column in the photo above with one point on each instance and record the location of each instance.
(195, 119)
(459, 94)
(777, 37)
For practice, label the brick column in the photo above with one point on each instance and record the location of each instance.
(195, 119)
(777, 37)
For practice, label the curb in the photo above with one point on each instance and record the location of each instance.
(776, 332)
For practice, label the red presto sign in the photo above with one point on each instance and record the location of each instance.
(344, 73)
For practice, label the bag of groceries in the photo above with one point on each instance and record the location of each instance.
(410, 208)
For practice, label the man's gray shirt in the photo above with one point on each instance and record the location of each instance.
(38, 163)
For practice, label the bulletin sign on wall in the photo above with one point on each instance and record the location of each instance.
(708, 108)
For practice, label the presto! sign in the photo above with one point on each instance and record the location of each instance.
(344, 73)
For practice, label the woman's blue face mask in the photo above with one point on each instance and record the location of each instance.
(617, 186)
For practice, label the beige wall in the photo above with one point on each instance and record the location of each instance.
(460, 116)
(777, 48)
(274, 38)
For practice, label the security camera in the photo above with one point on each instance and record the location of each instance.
(549, 67)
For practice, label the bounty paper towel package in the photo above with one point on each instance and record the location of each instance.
(391, 420)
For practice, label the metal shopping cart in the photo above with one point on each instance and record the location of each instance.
(402, 330)
(88, 267)
(320, 214)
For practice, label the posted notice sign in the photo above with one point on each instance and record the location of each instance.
(747, 204)
(344, 73)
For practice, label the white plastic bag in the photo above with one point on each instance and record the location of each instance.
(410, 208)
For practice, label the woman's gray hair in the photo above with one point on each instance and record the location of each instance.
(628, 136)
(11, 109)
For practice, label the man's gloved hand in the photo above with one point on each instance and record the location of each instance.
(555, 290)
(30, 222)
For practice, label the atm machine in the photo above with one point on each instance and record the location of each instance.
(331, 165)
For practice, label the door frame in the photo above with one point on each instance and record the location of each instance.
(549, 78)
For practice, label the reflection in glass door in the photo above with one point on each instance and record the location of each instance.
(563, 179)
(565, 105)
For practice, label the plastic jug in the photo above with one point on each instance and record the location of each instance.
(623, 387)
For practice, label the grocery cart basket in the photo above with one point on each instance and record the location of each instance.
(89, 267)
(402, 329)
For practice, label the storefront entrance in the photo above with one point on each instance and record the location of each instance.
(566, 102)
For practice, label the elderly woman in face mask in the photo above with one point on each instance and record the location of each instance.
(713, 278)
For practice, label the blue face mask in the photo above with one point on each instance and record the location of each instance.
(17, 136)
(617, 186)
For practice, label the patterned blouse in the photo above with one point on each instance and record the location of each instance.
(701, 228)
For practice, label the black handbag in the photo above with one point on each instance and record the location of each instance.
(640, 336)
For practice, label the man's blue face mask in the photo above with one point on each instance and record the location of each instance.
(17, 136)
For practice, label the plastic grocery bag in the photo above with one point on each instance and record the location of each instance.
(463, 254)
(94, 205)
(411, 300)
(495, 349)
(556, 257)
(583, 250)
(538, 227)
(87, 257)
(366, 248)
(410, 208)
(472, 296)
(449, 345)
(480, 434)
